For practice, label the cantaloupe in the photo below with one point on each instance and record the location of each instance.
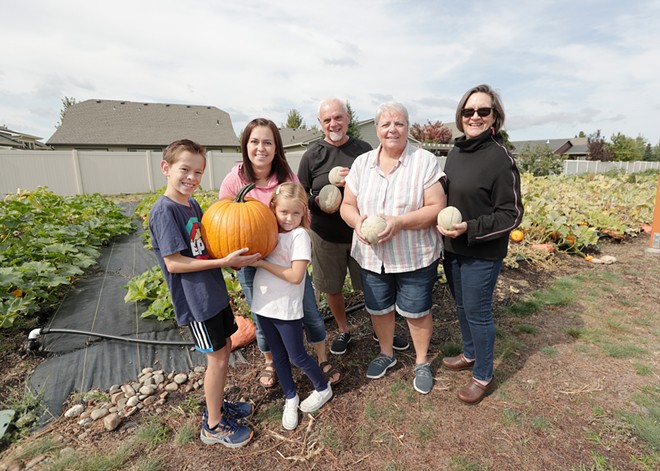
(448, 217)
(329, 198)
(334, 176)
(371, 227)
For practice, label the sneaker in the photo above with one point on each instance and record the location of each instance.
(316, 400)
(379, 366)
(398, 342)
(290, 414)
(423, 382)
(340, 343)
(235, 411)
(227, 433)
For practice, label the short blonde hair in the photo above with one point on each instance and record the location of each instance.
(292, 191)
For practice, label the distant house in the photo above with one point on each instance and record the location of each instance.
(137, 126)
(297, 140)
(17, 140)
(575, 148)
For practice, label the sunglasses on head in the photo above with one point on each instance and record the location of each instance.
(469, 112)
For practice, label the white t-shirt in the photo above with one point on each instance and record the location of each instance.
(271, 295)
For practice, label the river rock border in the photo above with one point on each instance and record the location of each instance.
(149, 391)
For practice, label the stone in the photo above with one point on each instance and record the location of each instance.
(114, 388)
(147, 370)
(132, 401)
(85, 422)
(199, 369)
(158, 378)
(99, 413)
(118, 395)
(171, 387)
(181, 378)
(128, 390)
(147, 390)
(121, 403)
(74, 411)
(111, 421)
(150, 400)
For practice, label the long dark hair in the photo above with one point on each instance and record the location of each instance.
(280, 167)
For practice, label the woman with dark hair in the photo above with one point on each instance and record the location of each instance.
(265, 165)
(483, 182)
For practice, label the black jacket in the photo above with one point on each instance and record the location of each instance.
(484, 184)
(313, 171)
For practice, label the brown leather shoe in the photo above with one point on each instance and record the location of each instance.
(474, 391)
(457, 363)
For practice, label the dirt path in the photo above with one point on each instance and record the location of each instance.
(566, 376)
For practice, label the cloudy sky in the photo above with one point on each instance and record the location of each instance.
(561, 66)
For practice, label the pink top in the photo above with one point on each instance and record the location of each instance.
(233, 182)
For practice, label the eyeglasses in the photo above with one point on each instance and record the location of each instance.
(469, 112)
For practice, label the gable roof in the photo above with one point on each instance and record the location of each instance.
(19, 140)
(572, 146)
(112, 122)
(299, 136)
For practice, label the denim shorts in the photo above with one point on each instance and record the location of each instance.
(410, 293)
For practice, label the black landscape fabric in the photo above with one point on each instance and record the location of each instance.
(96, 304)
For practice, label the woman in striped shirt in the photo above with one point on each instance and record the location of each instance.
(401, 184)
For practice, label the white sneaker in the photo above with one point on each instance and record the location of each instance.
(290, 414)
(316, 400)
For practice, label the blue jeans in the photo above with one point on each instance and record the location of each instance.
(312, 320)
(410, 292)
(286, 340)
(472, 282)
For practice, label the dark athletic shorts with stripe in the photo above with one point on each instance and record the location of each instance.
(211, 335)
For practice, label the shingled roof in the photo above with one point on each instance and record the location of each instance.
(139, 124)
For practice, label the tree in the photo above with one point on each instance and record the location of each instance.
(626, 148)
(433, 132)
(353, 129)
(598, 148)
(66, 103)
(505, 139)
(539, 160)
(294, 120)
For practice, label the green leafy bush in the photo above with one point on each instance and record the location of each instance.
(47, 241)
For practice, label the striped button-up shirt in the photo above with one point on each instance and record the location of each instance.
(399, 192)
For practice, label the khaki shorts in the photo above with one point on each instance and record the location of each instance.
(330, 263)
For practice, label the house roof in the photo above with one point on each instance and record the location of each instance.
(111, 122)
(575, 145)
(299, 136)
(19, 140)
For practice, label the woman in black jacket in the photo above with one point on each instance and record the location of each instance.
(484, 184)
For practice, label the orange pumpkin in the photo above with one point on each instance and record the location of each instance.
(517, 235)
(232, 224)
(245, 335)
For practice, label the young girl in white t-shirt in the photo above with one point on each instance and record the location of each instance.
(277, 301)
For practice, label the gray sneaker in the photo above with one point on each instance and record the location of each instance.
(398, 342)
(423, 382)
(379, 366)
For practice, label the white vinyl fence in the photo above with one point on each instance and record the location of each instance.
(108, 173)
(114, 173)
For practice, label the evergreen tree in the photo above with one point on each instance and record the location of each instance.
(66, 103)
(353, 129)
(294, 120)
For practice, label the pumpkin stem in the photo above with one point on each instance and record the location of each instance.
(240, 197)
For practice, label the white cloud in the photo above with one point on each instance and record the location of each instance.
(561, 67)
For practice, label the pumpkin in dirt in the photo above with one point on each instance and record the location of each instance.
(246, 333)
(448, 217)
(371, 227)
(329, 198)
(232, 224)
(517, 235)
(334, 176)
